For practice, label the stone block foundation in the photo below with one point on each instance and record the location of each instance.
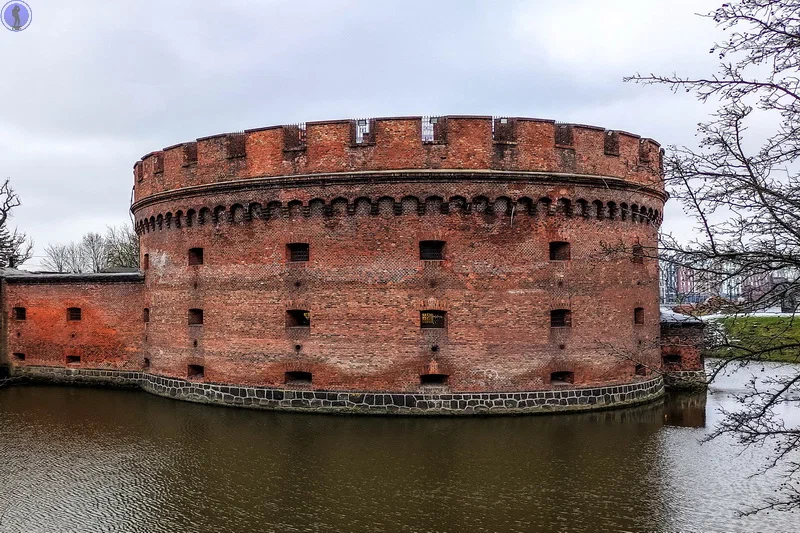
(344, 402)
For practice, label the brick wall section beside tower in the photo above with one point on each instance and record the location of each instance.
(109, 333)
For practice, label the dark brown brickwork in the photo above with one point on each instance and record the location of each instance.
(496, 196)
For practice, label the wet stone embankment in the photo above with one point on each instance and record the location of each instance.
(421, 403)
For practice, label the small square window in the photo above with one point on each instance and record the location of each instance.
(20, 313)
(431, 250)
(195, 317)
(74, 313)
(297, 378)
(298, 318)
(560, 318)
(638, 315)
(298, 251)
(146, 315)
(195, 372)
(73, 359)
(562, 378)
(195, 256)
(432, 319)
(640, 370)
(638, 254)
(559, 251)
(19, 356)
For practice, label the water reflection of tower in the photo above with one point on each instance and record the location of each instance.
(686, 410)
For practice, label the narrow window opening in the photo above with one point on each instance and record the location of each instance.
(237, 145)
(298, 318)
(19, 356)
(190, 153)
(146, 262)
(434, 129)
(640, 370)
(74, 313)
(672, 360)
(297, 378)
(73, 359)
(638, 254)
(431, 250)
(559, 251)
(20, 313)
(196, 372)
(562, 378)
(363, 131)
(298, 251)
(158, 163)
(195, 317)
(638, 315)
(146, 315)
(563, 134)
(432, 319)
(146, 362)
(433, 379)
(195, 256)
(560, 318)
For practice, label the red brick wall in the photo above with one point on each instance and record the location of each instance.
(685, 341)
(365, 287)
(398, 145)
(109, 334)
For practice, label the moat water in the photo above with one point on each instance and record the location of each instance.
(75, 460)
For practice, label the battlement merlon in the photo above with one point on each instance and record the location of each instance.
(403, 143)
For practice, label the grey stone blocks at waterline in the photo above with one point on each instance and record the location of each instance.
(418, 403)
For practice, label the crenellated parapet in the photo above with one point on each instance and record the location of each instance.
(463, 143)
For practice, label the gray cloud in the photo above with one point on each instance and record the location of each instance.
(90, 87)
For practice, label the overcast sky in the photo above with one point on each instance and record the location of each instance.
(90, 87)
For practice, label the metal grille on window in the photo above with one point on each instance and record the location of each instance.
(432, 319)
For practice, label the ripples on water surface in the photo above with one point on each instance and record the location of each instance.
(103, 460)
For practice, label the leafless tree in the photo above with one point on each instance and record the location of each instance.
(122, 247)
(15, 246)
(743, 190)
(93, 249)
(56, 258)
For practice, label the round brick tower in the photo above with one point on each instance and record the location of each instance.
(458, 261)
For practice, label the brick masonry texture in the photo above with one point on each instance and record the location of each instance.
(497, 193)
(357, 402)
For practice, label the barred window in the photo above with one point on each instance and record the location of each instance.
(432, 319)
(431, 250)
(298, 251)
(638, 315)
(73, 313)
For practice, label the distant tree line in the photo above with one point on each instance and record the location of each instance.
(119, 247)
